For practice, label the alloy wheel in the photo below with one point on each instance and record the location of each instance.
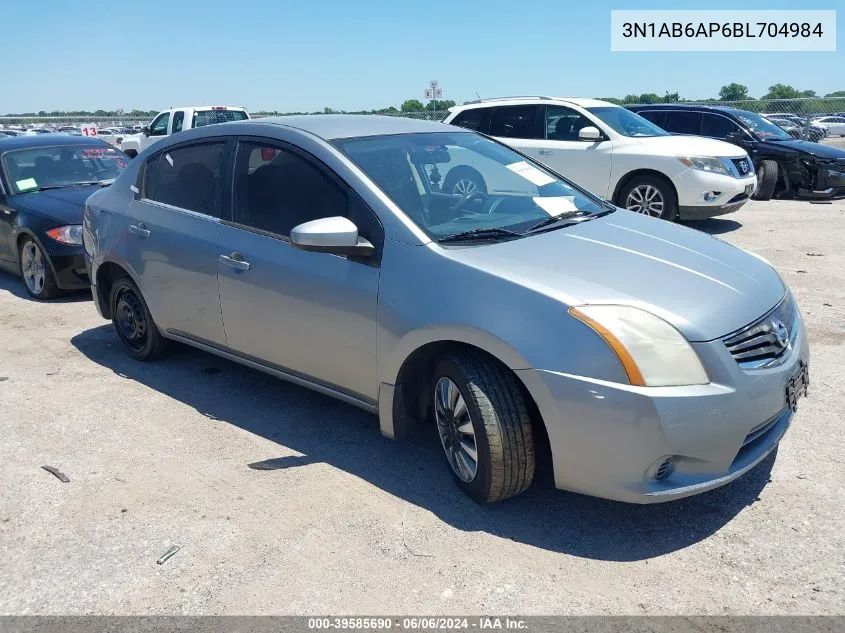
(32, 265)
(645, 199)
(455, 427)
(464, 187)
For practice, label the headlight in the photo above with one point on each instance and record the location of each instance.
(652, 352)
(70, 234)
(706, 163)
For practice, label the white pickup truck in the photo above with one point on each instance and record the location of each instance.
(178, 119)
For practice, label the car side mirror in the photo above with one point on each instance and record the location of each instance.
(589, 133)
(336, 235)
(145, 130)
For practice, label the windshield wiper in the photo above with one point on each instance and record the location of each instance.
(566, 215)
(71, 184)
(494, 233)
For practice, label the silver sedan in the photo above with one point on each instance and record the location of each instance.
(443, 281)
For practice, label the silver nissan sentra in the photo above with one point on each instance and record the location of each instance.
(659, 361)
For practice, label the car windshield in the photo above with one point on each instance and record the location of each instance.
(762, 127)
(209, 117)
(454, 183)
(627, 123)
(37, 168)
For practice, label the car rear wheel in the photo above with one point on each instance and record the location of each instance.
(767, 178)
(35, 271)
(484, 426)
(134, 323)
(651, 196)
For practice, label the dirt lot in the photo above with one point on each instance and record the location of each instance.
(284, 501)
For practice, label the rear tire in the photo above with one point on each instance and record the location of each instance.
(767, 178)
(36, 272)
(649, 195)
(133, 322)
(478, 405)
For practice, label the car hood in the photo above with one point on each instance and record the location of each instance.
(703, 286)
(683, 145)
(818, 150)
(64, 205)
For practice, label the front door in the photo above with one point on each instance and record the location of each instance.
(172, 235)
(312, 314)
(159, 128)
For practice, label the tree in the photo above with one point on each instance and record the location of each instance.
(838, 93)
(440, 104)
(808, 93)
(412, 105)
(733, 92)
(671, 97)
(782, 91)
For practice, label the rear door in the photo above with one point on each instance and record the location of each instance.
(172, 238)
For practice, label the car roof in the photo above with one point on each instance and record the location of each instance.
(205, 107)
(486, 103)
(45, 140)
(334, 126)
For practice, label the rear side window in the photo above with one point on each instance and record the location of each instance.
(658, 117)
(717, 126)
(683, 122)
(474, 119)
(210, 117)
(187, 177)
(515, 122)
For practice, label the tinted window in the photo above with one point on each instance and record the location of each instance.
(159, 126)
(563, 124)
(178, 120)
(514, 122)
(681, 122)
(717, 126)
(658, 117)
(209, 117)
(275, 190)
(472, 119)
(187, 177)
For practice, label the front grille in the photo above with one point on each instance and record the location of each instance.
(743, 165)
(766, 341)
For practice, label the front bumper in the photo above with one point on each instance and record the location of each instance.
(829, 182)
(703, 194)
(68, 264)
(608, 439)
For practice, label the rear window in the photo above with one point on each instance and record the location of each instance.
(210, 117)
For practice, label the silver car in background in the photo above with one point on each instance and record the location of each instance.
(658, 361)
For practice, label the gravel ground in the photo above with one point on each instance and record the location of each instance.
(284, 501)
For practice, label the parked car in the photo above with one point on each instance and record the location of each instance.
(617, 155)
(44, 181)
(178, 119)
(797, 130)
(785, 167)
(835, 125)
(658, 362)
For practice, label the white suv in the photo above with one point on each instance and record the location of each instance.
(616, 154)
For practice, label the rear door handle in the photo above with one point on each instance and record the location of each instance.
(140, 230)
(235, 260)
(544, 152)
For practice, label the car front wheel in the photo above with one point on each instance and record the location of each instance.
(35, 271)
(484, 426)
(650, 195)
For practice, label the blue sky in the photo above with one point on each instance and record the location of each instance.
(353, 54)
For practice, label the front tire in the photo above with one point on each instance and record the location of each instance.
(767, 178)
(484, 426)
(35, 271)
(650, 195)
(134, 323)
(463, 181)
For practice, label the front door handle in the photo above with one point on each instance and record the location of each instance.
(235, 260)
(544, 152)
(140, 230)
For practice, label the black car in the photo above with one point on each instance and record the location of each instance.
(785, 167)
(44, 182)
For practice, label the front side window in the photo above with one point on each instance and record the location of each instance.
(473, 119)
(276, 189)
(658, 117)
(625, 122)
(451, 183)
(187, 177)
(718, 126)
(683, 122)
(564, 124)
(159, 126)
(514, 122)
(62, 166)
(178, 120)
